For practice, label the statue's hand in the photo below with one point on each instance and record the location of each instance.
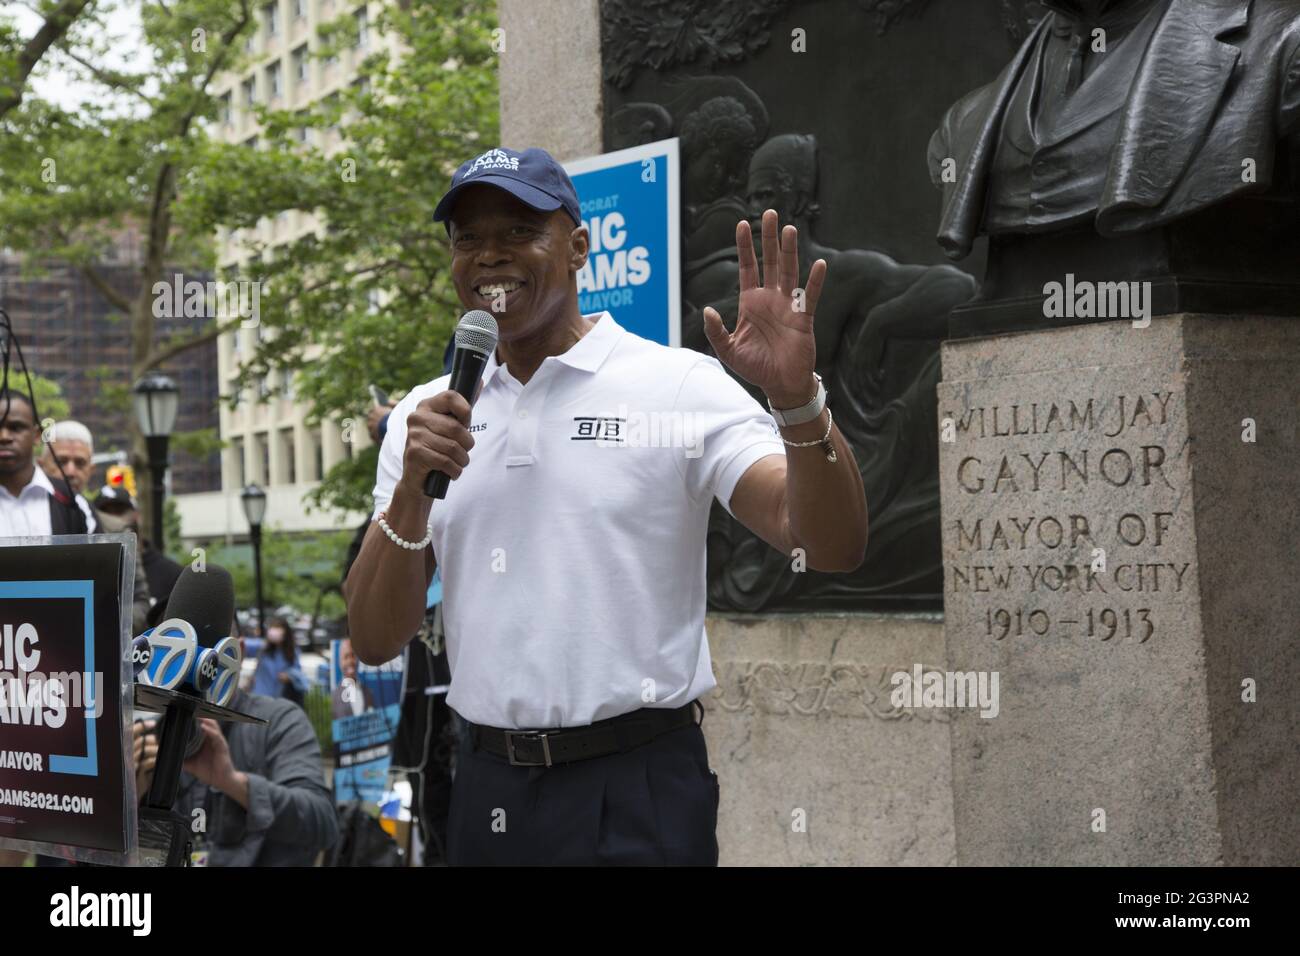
(773, 345)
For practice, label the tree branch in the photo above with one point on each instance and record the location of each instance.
(115, 298)
(157, 357)
(54, 27)
(117, 81)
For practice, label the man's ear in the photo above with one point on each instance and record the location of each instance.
(579, 246)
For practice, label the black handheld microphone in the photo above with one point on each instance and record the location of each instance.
(476, 337)
(205, 601)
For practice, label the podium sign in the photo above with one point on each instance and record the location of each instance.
(66, 785)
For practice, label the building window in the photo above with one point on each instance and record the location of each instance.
(262, 449)
(317, 455)
(328, 65)
(251, 142)
(363, 28)
(224, 113)
(237, 452)
(273, 81)
(263, 388)
(287, 456)
(299, 9)
(272, 13)
(300, 65)
(250, 92)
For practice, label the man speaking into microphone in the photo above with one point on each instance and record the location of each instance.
(571, 541)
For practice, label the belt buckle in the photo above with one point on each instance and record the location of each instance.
(510, 748)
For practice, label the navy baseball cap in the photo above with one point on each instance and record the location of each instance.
(533, 176)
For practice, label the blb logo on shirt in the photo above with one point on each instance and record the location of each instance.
(600, 428)
(492, 159)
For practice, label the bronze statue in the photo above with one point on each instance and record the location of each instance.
(1123, 117)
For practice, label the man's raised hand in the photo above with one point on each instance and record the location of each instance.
(772, 346)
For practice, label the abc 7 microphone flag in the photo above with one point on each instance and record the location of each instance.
(169, 656)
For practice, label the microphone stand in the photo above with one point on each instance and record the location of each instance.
(162, 829)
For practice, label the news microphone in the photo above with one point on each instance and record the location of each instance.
(476, 337)
(206, 601)
(193, 654)
(200, 612)
(177, 662)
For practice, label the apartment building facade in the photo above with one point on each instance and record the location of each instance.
(269, 442)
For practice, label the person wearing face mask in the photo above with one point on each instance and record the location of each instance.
(113, 510)
(278, 673)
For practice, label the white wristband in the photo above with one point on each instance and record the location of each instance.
(400, 541)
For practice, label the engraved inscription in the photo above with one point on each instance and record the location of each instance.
(1062, 516)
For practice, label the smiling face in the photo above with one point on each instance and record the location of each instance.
(347, 660)
(513, 261)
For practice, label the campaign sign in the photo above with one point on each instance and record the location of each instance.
(630, 204)
(64, 634)
(365, 705)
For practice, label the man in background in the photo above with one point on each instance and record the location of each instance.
(31, 503)
(72, 447)
(261, 786)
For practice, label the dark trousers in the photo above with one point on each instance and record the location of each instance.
(655, 805)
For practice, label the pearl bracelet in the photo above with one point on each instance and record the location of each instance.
(394, 537)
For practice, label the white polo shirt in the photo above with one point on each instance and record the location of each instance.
(572, 549)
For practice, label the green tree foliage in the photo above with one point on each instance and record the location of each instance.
(368, 298)
(70, 181)
(19, 55)
(48, 394)
(296, 569)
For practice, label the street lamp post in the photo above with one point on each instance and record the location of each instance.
(254, 501)
(156, 402)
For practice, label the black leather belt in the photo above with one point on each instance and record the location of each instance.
(546, 748)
